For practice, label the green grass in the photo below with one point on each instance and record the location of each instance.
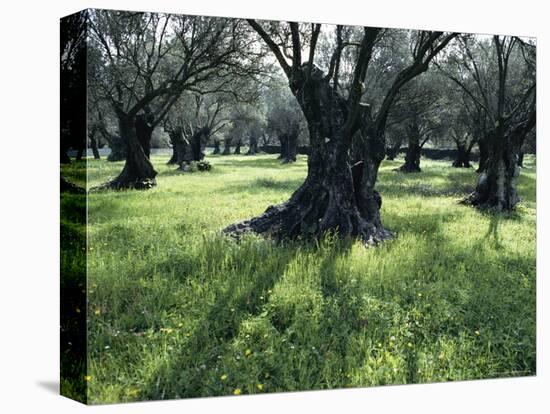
(177, 310)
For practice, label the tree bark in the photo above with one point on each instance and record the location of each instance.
(283, 139)
(463, 156)
(412, 157)
(330, 200)
(483, 153)
(117, 144)
(138, 172)
(216, 147)
(93, 146)
(144, 133)
(496, 186)
(178, 146)
(194, 147)
(238, 147)
(291, 147)
(227, 146)
(252, 146)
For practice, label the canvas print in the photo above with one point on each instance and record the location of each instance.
(252, 206)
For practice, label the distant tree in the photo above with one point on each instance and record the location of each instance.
(499, 76)
(464, 127)
(246, 124)
(285, 120)
(190, 123)
(144, 61)
(418, 112)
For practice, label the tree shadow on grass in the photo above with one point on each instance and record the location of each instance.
(263, 184)
(492, 234)
(234, 303)
(253, 162)
(411, 185)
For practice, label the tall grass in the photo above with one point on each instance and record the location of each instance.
(178, 310)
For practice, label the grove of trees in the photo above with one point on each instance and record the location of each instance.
(348, 97)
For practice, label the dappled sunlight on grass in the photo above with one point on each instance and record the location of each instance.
(188, 312)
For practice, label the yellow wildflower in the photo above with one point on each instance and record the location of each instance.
(87, 377)
(237, 391)
(132, 392)
(248, 352)
(223, 377)
(97, 311)
(260, 386)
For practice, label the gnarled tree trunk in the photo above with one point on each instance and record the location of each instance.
(193, 150)
(483, 153)
(412, 157)
(179, 146)
(330, 199)
(291, 147)
(138, 172)
(227, 146)
(283, 140)
(497, 184)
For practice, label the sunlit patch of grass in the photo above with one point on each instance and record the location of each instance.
(187, 312)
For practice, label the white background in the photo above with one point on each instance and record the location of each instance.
(29, 210)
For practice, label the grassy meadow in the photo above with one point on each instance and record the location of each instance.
(175, 309)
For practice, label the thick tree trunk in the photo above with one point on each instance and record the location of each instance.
(227, 146)
(238, 147)
(144, 133)
(412, 157)
(463, 156)
(497, 184)
(216, 147)
(174, 156)
(252, 146)
(117, 144)
(138, 172)
(283, 139)
(95, 150)
(193, 150)
(483, 153)
(178, 146)
(291, 147)
(330, 200)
